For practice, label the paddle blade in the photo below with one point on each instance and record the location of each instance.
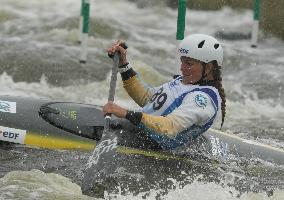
(98, 164)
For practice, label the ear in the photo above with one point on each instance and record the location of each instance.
(209, 68)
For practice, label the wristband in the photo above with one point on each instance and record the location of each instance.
(134, 117)
(128, 74)
(124, 68)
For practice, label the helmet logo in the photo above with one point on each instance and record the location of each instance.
(200, 45)
(182, 50)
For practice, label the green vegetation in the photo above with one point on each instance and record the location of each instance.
(272, 17)
(271, 14)
(6, 16)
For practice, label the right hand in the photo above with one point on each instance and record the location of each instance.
(117, 47)
(112, 108)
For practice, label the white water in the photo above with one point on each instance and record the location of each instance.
(36, 184)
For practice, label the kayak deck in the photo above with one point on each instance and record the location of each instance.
(74, 126)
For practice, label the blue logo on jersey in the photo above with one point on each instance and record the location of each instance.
(174, 83)
(200, 101)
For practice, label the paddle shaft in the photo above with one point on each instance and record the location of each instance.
(106, 147)
(112, 87)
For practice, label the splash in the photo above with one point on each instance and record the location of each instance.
(35, 184)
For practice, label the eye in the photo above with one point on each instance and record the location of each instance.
(189, 63)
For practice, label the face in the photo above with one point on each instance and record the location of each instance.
(191, 70)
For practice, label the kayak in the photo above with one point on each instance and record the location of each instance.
(75, 126)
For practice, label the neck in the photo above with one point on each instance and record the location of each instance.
(204, 82)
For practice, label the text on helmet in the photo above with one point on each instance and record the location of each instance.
(182, 50)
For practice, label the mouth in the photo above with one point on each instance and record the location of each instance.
(186, 74)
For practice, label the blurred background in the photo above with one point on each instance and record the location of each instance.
(272, 14)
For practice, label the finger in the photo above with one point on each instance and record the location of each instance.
(109, 49)
(107, 112)
(105, 107)
(113, 50)
(119, 42)
(121, 50)
(104, 110)
(113, 46)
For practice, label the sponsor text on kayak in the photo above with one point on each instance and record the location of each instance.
(12, 135)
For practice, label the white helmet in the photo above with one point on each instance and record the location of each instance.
(201, 47)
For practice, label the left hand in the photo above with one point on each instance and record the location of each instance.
(117, 47)
(113, 108)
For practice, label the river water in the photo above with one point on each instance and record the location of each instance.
(39, 58)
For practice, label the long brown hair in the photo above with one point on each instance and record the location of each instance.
(217, 75)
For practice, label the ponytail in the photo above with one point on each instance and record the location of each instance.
(218, 84)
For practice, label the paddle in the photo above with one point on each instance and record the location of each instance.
(105, 151)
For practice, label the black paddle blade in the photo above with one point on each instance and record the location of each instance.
(98, 165)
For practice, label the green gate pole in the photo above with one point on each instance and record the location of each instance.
(85, 30)
(181, 19)
(255, 26)
(81, 22)
(180, 28)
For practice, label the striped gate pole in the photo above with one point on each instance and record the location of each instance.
(255, 26)
(180, 26)
(81, 22)
(85, 30)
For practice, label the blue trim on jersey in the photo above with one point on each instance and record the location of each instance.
(188, 134)
(178, 101)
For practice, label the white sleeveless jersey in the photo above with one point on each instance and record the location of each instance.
(174, 113)
(171, 95)
(191, 109)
